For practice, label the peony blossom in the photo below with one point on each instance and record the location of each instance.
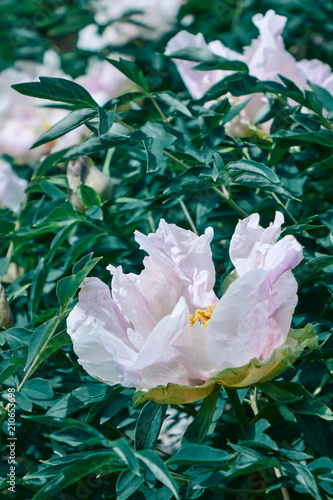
(12, 188)
(266, 58)
(127, 20)
(165, 331)
(24, 119)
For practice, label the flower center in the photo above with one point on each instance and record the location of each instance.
(203, 316)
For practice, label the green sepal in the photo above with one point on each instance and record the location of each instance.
(254, 372)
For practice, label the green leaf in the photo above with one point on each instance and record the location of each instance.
(64, 212)
(305, 402)
(155, 137)
(38, 339)
(198, 429)
(255, 436)
(37, 285)
(303, 476)
(157, 467)
(18, 357)
(323, 95)
(193, 454)
(128, 484)
(148, 425)
(67, 287)
(173, 101)
(132, 71)
(65, 125)
(106, 120)
(209, 61)
(38, 389)
(57, 89)
(323, 137)
(89, 196)
(85, 395)
(100, 461)
(256, 175)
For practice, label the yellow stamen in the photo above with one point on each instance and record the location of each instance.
(203, 316)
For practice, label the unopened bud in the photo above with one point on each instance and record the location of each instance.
(6, 317)
(82, 172)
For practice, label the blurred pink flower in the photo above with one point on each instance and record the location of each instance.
(129, 19)
(12, 188)
(266, 58)
(167, 326)
(24, 119)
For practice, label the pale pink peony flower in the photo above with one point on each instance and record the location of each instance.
(146, 19)
(266, 58)
(165, 329)
(12, 188)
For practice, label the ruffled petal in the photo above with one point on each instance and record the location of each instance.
(180, 264)
(240, 321)
(129, 297)
(250, 242)
(267, 56)
(98, 332)
(160, 360)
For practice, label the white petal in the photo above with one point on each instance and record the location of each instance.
(179, 264)
(250, 243)
(131, 300)
(283, 300)
(162, 359)
(197, 82)
(239, 324)
(98, 332)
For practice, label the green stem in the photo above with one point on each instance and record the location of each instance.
(188, 216)
(237, 408)
(33, 366)
(162, 115)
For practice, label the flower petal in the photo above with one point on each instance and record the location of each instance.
(98, 332)
(166, 356)
(240, 321)
(254, 372)
(197, 82)
(179, 264)
(250, 242)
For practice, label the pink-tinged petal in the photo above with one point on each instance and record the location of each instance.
(95, 303)
(129, 297)
(167, 355)
(283, 256)
(315, 71)
(240, 321)
(267, 56)
(283, 300)
(197, 82)
(98, 332)
(12, 188)
(195, 357)
(250, 242)
(179, 264)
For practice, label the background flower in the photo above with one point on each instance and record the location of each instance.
(12, 187)
(266, 58)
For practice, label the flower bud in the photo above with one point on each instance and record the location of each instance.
(6, 317)
(82, 172)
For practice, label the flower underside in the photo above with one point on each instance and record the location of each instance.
(203, 316)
